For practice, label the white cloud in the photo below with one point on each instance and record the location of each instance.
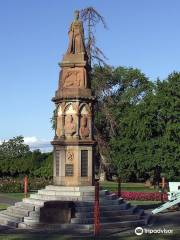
(30, 140)
(35, 143)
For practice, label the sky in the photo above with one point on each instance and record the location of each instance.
(33, 38)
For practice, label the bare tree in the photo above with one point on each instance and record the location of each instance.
(91, 18)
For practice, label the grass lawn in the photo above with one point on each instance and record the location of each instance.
(16, 196)
(136, 202)
(3, 206)
(131, 187)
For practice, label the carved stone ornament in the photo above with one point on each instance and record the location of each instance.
(70, 126)
(84, 129)
(74, 78)
(69, 157)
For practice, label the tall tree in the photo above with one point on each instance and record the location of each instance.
(91, 17)
(118, 90)
(150, 133)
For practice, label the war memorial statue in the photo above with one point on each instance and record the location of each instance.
(69, 202)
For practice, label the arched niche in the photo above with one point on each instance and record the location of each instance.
(85, 121)
(70, 120)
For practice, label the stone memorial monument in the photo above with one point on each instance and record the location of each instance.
(74, 142)
(69, 202)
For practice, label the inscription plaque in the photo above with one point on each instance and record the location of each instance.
(57, 155)
(69, 170)
(84, 163)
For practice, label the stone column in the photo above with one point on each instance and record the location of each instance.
(63, 123)
(78, 125)
(90, 125)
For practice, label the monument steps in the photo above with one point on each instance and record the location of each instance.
(102, 201)
(18, 210)
(10, 213)
(64, 193)
(26, 206)
(33, 201)
(12, 216)
(111, 207)
(106, 219)
(129, 211)
(8, 221)
(70, 189)
(114, 211)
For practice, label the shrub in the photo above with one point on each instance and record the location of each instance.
(17, 184)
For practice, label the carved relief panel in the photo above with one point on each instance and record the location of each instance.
(70, 126)
(74, 78)
(85, 122)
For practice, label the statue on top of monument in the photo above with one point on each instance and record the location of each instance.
(76, 36)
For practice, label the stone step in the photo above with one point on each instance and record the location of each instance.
(59, 198)
(73, 189)
(18, 215)
(23, 225)
(101, 202)
(111, 196)
(44, 198)
(147, 218)
(123, 224)
(18, 210)
(64, 193)
(116, 207)
(34, 214)
(35, 202)
(8, 221)
(27, 206)
(31, 221)
(107, 213)
(106, 219)
(10, 215)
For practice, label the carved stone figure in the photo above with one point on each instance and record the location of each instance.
(70, 126)
(84, 129)
(74, 77)
(76, 36)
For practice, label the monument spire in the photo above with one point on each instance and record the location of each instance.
(74, 141)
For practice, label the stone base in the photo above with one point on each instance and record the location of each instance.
(72, 208)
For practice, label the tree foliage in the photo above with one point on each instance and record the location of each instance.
(138, 121)
(16, 159)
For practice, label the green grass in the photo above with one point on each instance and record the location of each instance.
(3, 206)
(136, 202)
(15, 196)
(131, 187)
(34, 237)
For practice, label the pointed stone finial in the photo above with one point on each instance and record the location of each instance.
(76, 15)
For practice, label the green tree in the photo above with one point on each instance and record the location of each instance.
(118, 90)
(14, 147)
(150, 133)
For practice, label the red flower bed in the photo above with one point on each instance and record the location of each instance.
(144, 196)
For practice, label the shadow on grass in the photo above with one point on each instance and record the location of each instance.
(60, 236)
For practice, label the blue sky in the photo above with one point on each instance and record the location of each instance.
(33, 37)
